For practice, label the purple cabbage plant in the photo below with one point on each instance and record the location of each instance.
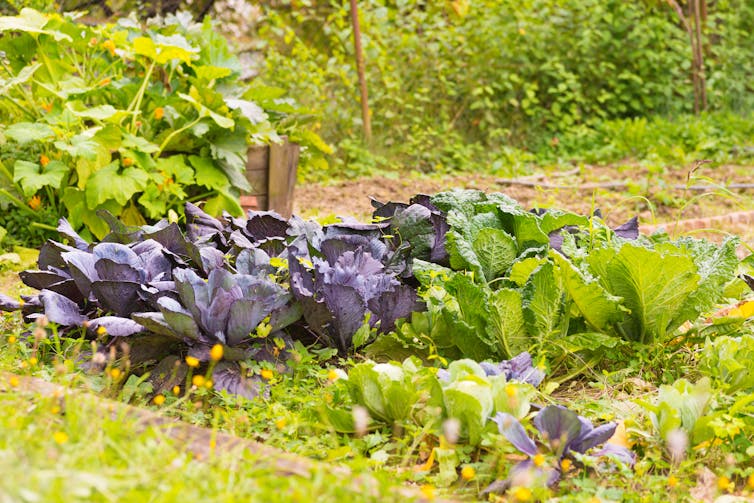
(563, 434)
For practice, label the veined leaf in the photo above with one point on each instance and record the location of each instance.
(506, 321)
(207, 174)
(23, 76)
(599, 308)
(110, 183)
(654, 287)
(32, 176)
(542, 303)
(30, 21)
(27, 132)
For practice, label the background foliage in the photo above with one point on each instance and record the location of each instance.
(462, 83)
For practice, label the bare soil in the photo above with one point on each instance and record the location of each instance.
(657, 198)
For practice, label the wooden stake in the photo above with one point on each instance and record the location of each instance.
(367, 121)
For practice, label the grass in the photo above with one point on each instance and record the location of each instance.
(66, 449)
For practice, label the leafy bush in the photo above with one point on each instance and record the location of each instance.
(126, 118)
(450, 83)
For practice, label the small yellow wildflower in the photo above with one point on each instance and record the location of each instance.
(192, 361)
(672, 481)
(159, 400)
(468, 472)
(198, 381)
(44, 160)
(522, 494)
(208, 384)
(538, 460)
(725, 484)
(159, 113)
(55, 409)
(47, 107)
(176, 390)
(280, 423)
(12, 339)
(13, 381)
(510, 390)
(266, 374)
(216, 353)
(428, 491)
(101, 331)
(33, 360)
(60, 437)
(566, 464)
(115, 373)
(127, 161)
(263, 330)
(332, 375)
(110, 46)
(594, 499)
(35, 203)
(750, 481)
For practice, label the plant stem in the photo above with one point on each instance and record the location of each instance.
(176, 132)
(19, 204)
(201, 196)
(135, 105)
(43, 226)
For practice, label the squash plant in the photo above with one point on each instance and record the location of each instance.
(129, 118)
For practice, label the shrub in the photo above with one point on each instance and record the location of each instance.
(129, 118)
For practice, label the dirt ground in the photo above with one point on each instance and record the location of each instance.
(620, 192)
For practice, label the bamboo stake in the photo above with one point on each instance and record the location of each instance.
(702, 81)
(367, 121)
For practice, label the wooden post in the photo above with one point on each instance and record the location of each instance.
(271, 171)
(282, 177)
(365, 118)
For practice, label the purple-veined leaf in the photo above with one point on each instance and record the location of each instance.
(629, 230)
(199, 223)
(512, 429)
(81, 266)
(8, 304)
(227, 376)
(618, 452)
(590, 436)
(153, 259)
(116, 326)
(65, 229)
(263, 225)
(170, 237)
(558, 426)
(391, 306)
(40, 280)
(245, 315)
(61, 310)
(156, 323)
(179, 320)
(119, 297)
